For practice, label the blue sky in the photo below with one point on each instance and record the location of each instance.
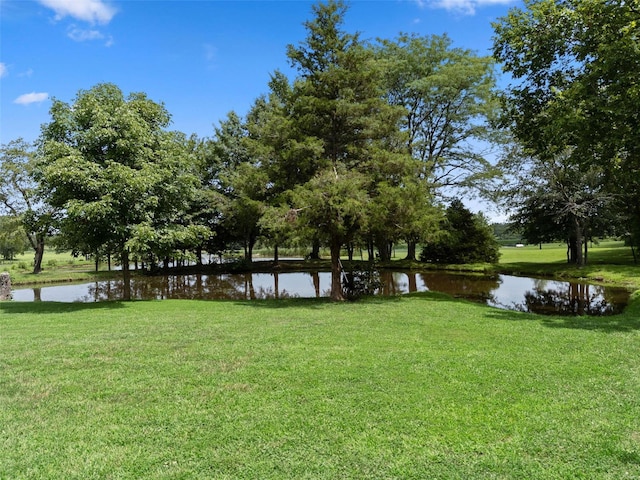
(200, 58)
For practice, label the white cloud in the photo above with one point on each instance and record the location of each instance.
(82, 35)
(92, 11)
(29, 98)
(4, 71)
(26, 73)
(467, 7)
(210, 52)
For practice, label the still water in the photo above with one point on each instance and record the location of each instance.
(502, 291)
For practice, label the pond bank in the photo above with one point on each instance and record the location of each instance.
(626, 276)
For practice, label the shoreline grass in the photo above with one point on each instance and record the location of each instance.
(610, 263)
(421, 386)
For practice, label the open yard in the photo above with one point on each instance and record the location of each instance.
(421, 387)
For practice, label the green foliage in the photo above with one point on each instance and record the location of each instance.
(337, 103)
(13, 239)
(358, 283)
(21, 196)
(109, 163)
(466, 238)
(574, 64)
(450, 106)
(555, 199)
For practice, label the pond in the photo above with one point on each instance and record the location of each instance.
(503, 291)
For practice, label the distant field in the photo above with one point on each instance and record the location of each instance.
(609, 262)
(605, 252)
(418, 387)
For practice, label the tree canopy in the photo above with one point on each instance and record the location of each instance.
(355, 150)
(119, 176)
(22, 199)
(575, 91)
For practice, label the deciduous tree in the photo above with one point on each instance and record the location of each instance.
(21, 197)
(111, 165)
(574, 65)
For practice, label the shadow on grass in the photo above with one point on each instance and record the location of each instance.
(312, 303)
(10, 307)
(627, 321)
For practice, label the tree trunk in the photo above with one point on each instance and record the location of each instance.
(411, 250)
(350, 249)
(371, 250)
(413, 283)
(337, 294)
(276, 256)
(126, 276)
(384, 251)
(39, 252)
(315, 276)
(248, 251)
(578, 234)
(315, 250)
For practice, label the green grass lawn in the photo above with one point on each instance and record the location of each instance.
(608, 262)
(421, 387)
(56, 268)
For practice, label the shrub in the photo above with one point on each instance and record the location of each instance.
(358, 283)
(466, 238)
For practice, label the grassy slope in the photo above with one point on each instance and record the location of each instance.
(609, 262)
(413, 387)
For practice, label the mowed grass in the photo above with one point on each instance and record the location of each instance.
(421, 387)
(56, 268)
(608, 262)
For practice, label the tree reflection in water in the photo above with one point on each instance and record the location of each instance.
(570, 299)
(478, 288)
(503, 291)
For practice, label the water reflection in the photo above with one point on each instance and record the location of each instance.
(572, 298)
(503, 291)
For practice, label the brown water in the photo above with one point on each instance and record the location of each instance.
(502, 291)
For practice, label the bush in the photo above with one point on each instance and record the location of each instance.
(358, 283)
(466, 238)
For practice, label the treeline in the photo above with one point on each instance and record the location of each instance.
(353, 151)
(573, 109)
(359, 149)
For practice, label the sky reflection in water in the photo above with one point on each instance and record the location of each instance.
(502, 291)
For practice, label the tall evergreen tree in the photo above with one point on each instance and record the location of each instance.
(338, 100)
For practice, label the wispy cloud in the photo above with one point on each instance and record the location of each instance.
(84, 35)
(26, 73)
(467, 7)
(210, 54)
(92, 11)
(29, 98)
(4, 71)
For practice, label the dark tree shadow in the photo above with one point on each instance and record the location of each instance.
(627, 321)
(11, 307)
